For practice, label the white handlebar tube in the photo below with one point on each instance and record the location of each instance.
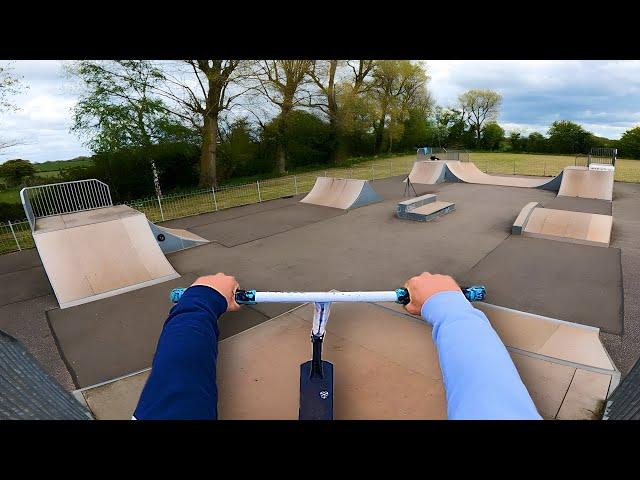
(325, 297)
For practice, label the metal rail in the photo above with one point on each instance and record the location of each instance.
(65, 197)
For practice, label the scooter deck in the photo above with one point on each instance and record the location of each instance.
(316, 392)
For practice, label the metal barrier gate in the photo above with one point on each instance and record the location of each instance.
(603, 155)
(66, 197)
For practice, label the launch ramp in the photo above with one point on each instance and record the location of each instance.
(91, 249)
(583, 182)
(343, 193)
(564, 225)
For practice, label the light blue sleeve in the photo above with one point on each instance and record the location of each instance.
(480, 379)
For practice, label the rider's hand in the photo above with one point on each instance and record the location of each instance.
(424, 286)
(224, 285)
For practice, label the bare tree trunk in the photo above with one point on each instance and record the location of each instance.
(208, 152)
(281, 150)
(379, 136)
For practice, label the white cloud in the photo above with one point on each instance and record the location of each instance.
(603, 96)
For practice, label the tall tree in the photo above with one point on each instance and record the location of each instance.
(283, 83)
(479, 106)
(629, 143)
(201, 98)
(569, 137)
(356, 106)
(397, 85)
(117, 107)
(323, 73)
(341, 85)
(492, 136)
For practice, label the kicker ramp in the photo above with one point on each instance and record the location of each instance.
(563, 225)
(428, 172)
(343, 193)
(582, 182)
(99, 253)
(174, 239)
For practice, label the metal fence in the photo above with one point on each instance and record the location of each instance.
(169, 207)
(425, 153)
(603, 155)
(64, 197)
(46, 200)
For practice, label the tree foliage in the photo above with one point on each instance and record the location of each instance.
(629, 143)
(492, 136)
(479, 106)
(16, 171)
(118, 109)
(568, 137)
(10, 85)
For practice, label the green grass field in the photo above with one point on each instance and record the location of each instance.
(544, 165)
(57, 165)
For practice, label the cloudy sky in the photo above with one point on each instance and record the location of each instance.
(602, 96)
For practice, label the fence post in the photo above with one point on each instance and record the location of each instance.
(259, 195)
(325, 173)
(514, 166)
(295, 183)
(373, 172)
(545, 167)
(351, 172)
(215, 202)
(390, 167)
(160, 205)
(14, 236)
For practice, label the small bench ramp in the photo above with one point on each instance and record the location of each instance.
(175, 239)
(99, 253)
(423, 209)
(582, 182)
(564, 225)
(343, 193)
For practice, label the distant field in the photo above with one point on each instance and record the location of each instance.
(544, 165)
(57, 165)
(50, 170)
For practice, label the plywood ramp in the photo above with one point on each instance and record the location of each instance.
(343, 193)
(468, 172)
(386, 366)
(584, 183)
(427, 172)
(107, 252)
(566, 226)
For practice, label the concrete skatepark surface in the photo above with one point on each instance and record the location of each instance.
(576, 283)
(361, 249)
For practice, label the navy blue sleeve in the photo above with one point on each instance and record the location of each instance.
(182, 382)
